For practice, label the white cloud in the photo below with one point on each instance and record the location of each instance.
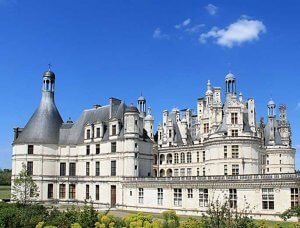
(183, 24)
(211, 9)
(195, 28)
(157, 34)
(237, 33)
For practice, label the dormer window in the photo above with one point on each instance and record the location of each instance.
(98, 132)
(114, 130)
(234, 118)
(88, 134)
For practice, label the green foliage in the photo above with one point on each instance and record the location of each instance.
(192, 223)
(76, 225)
(171, 219)
(294, 211)
(24, 189)
(137, 220)
(5, 177)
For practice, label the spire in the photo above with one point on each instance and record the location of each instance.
(208, 91)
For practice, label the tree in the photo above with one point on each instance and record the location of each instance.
(24, 189)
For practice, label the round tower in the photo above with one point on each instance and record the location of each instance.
(131, 121)
(230, 82)
(142, 106)
(149, 122)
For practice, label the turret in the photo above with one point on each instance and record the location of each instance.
(142, 106)
(149, 121)
(230, 84)
(208, 94)
(131, 122)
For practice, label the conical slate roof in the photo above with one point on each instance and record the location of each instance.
(43, 126)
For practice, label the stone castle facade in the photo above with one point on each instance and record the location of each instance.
(112, 157)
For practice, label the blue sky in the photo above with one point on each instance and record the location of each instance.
(167, 49)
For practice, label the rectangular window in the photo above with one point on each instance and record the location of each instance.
(62, 169)
(189, 172)
(50, 191)
(182, 172)
(177, 197)
(232, 198)
(206, 128)
(170, 133)
(87, 192)
(234, 118)
(160, 196)
(225, 151)
(97, 192)
(189, 157)
(203, 197)
(203, 171)
(235, 169)
(203, 156)
(268, 198)
(198, 156)
(97, 148)
(30, 149)
(141, 195)
(62, 191)
(87, 149)
(294, 197)
(30, 168)
(98, 132)
(114, 147)
(225, 170)
(113, 168)
(97, 171)
(176, 172)
(234, 133)
(88, 134)
(72, 169)
(176, 159)
(235, 151)
(198, 172)
(72, 191)
(87, 168)
(190, 193)
(114, 130)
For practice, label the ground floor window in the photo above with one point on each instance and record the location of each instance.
(87, 191)
(268, 198)
(203, 197)
(141, 195)
(62, 191)
(72, 191)
(160, 196)
(232, 198)
(97, 192)
(294, 197)
(50, 191)
(178, 197)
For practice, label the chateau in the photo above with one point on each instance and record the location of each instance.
(112, 157)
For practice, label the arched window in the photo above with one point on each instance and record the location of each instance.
(182, 158)
(169, 159)
(176, 158)
(189, 157)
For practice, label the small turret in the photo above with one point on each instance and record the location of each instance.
(131, 122)
(149, 124)
(142, 105)
(230, 83)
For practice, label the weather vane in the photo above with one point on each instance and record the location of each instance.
(49, 65)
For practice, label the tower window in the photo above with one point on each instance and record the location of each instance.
(72, 169)
(235, 170)
(225, 170)
(98, 132)
(88, 150)
(97, 192)
(87, 191)
(87, 168)
(113, 168)
(30, 168)
(97, 171)
(225, 151)
(206, 128)
(62, 169)
(235, 151)
(97, 148)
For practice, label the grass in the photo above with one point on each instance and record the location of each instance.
(4, 192)
(275, 224)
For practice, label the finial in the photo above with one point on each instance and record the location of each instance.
(49, 67)
(149, 110)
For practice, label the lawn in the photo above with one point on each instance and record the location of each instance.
(4, 192)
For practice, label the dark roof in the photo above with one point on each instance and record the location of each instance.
(49, 74)
(44, 125)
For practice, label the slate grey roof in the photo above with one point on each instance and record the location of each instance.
(49, 74)
(44, 125)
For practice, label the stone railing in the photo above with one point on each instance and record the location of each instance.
(249, 177)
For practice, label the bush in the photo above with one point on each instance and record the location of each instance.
(171, 219)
